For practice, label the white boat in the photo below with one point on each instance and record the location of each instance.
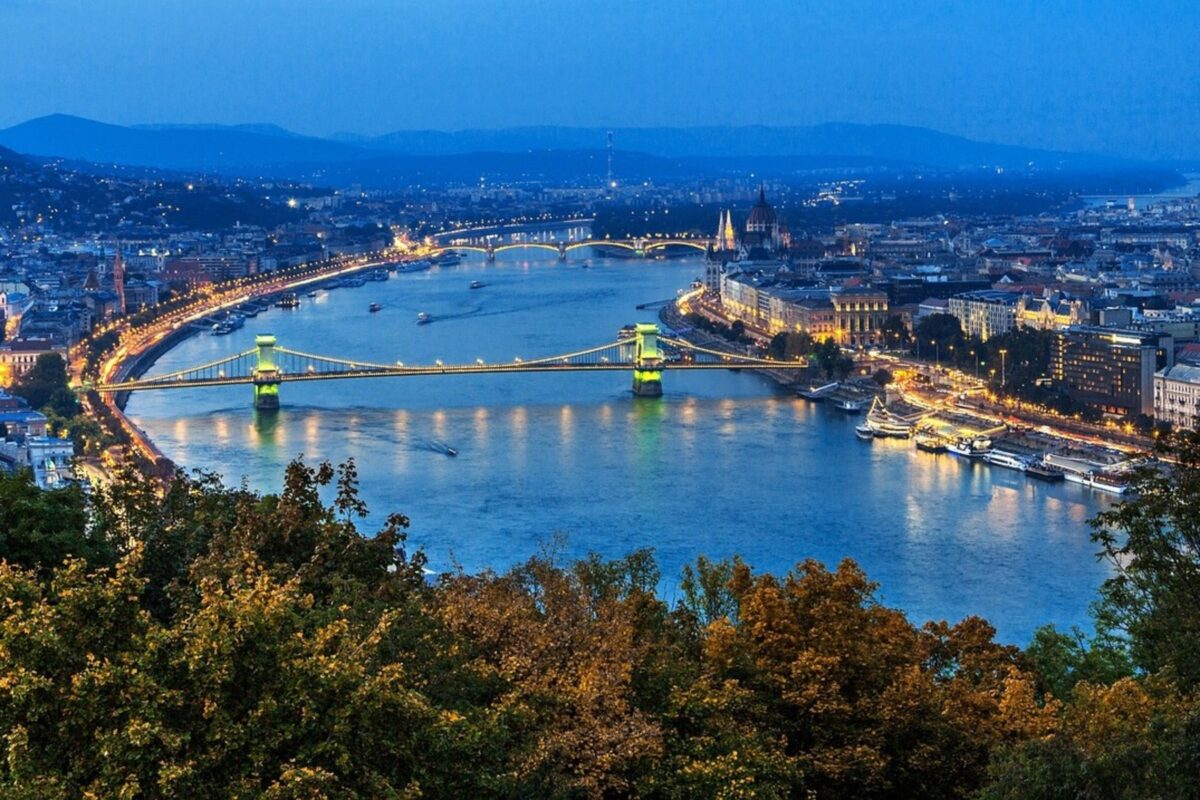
(849, 405)
(970, 448)
(884, 423)
(864, 431)
(423, 318)
(1002, 458)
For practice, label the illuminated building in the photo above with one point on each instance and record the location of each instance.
(1177, 396)
(1110, 370)
(985, 313)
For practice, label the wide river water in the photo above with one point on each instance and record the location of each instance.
(724, 463)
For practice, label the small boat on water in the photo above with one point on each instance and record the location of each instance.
(424, 319)
(311, 294)
(849, 404)
(414, 266)
(288, 300)
(864, 432)
(477, 284)
(374, 307)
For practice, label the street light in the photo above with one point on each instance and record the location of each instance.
(1003, 353)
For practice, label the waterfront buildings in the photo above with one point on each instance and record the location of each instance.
(1177, 396)
(1110, 370)
(19, 356)
(986, 313)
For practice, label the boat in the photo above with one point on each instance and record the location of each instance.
(1108, 482)
(1003, 458)
(930, 442)
(310, 294)
(968, 447)
(414, 266)
(476, 284)
(864, 431)
(424, 319)
(1045, 472)
(377, 275)
(849, 404)
(374, 307)
(885, 424)
(816, 393)
(288, 300)
(222, 329)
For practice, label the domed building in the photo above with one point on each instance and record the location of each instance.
(763, 231)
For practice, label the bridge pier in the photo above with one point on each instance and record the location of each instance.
(562, 251)
(647, 361)
(491, 252)
(266, 374)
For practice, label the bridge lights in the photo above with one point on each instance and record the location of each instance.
(517, 360)
(479, 361)
(438, 363)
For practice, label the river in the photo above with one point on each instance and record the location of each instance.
(724, 463)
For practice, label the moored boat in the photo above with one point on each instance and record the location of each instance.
(885, 424)
(1003, 458)
(374, 307)
(1044, 472)
(930, 442)
(968, 447)
(864, 431)
(288, 300)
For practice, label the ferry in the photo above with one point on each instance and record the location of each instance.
(970, 448)
(288, 300)
(930, 442)
(424, 319)
(449, 258)
(477, 284)
(1002, 458)
(377, 275)
(884, 423)
(222, 329)
(374, 307)
(864, 431)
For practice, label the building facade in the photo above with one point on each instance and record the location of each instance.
(984, 314)
(1108, 370)
(1177, 396)
(858, 315)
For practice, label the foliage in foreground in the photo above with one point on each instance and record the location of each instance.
(218, 643)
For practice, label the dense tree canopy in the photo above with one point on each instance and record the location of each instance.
(213, 642)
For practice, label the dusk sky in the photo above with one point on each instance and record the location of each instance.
(1102, 76)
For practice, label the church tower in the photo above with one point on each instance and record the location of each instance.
(119, 279)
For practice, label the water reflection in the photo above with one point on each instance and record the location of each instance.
(723, 464)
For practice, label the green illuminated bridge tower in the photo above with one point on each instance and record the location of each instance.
(643, 349)
(266, 373)
(647, 362)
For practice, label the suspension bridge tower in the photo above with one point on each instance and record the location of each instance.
(266, 373)
(647, 361)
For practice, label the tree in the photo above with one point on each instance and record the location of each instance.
(894, 332)
(1153, 545)
(788, 346)
(39, 384)
(936, 334)
(40, 529)
(882, 376)
(737, 330)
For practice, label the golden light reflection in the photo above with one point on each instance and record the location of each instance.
(312, 430)
(566, 427)
(221, 427)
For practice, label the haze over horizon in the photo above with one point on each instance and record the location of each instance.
(1104, 77)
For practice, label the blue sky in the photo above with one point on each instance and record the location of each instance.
(1101, 76)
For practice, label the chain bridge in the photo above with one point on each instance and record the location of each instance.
(645, 352)
(637, 247)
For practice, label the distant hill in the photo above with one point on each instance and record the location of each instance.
(532, 153)
(897, 143)
(218, 149)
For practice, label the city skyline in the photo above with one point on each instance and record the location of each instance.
(1107, 78)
